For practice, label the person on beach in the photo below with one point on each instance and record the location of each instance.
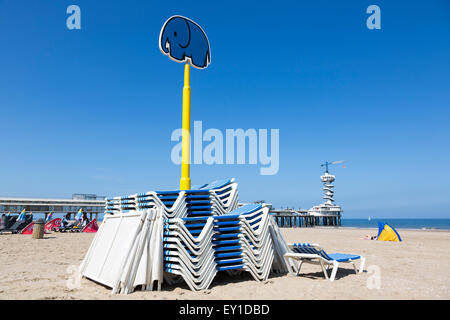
(78, 219)
(84, 220)
(66, 220)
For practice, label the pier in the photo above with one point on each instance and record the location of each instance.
(91, 204)
(325, 214)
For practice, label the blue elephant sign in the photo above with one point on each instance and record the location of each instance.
(182, 40)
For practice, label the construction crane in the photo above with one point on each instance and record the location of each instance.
(326, 164)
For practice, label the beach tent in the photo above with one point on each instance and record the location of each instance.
(48, 226)
(52, 223)
(91, 227)
(28, 229)
(387, 233)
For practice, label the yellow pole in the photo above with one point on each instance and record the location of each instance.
(185, 182)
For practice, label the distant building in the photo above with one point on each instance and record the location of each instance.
(87, 196)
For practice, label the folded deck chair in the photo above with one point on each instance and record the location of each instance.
(74, 227)
(314, 254)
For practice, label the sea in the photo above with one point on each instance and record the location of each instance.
(420, 224)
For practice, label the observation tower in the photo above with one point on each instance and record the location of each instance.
(328, 207)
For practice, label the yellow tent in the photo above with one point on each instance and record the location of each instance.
(387, 233)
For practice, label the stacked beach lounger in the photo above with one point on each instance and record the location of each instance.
(242, 241)
(215, 198)
(204, 232)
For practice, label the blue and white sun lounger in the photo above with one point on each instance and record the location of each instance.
(314, 254)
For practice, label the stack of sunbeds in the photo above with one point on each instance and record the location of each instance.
(204, 232)
(197, 247)
(189, 252)
(188, 246)
(217, 198)
(242, 241)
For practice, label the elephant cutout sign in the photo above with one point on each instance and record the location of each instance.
(181, 39)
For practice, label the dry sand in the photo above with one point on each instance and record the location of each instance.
(416, 268)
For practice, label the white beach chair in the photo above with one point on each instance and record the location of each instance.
(314, 254)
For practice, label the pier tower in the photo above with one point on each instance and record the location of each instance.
(328, 186)
(328, 207)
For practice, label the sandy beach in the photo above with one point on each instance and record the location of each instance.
(412, 269)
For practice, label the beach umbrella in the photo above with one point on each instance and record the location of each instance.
(387, 233)
(49, 217)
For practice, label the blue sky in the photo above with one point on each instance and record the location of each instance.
(92, 110)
